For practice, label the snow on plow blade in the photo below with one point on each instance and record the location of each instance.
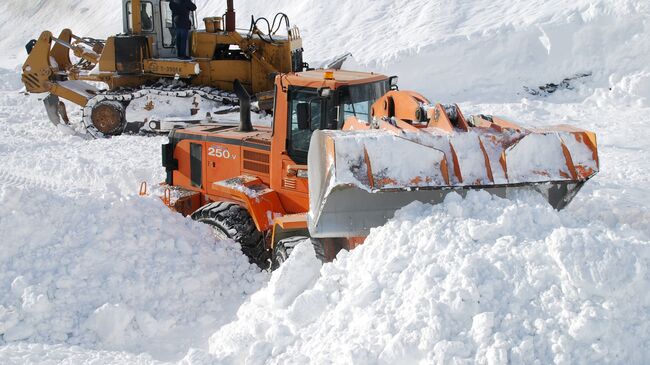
(358, 179)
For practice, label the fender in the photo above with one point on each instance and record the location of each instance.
(262, 202)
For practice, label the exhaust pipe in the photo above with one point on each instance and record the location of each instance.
(245, 124)
(230, 17)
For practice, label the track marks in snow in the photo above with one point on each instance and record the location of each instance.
(8, 179)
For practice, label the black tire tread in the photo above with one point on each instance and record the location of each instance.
(235, 221)
(319, 248)
(283, 249)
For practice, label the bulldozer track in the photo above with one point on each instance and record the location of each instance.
(127, 96)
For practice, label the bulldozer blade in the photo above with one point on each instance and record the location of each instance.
(358, 179)
(52, 108)
(352, 212)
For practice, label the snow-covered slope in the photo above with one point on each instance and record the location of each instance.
(449, 50)
(91, 273)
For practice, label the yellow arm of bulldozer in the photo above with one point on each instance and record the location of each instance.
(40, 76)
(38, 70)
(64, 45)
(244, 46)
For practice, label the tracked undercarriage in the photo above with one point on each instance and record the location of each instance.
(153, 109)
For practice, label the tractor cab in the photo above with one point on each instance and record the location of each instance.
(155, 22)
(324, 100)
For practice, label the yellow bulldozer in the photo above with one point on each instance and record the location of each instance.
(132, 82)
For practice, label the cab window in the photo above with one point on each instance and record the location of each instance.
(146, 16)
(300, 135)
(361, 110)
(357, 100)
(169, 33)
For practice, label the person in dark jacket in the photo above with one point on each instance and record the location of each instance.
(181, 10)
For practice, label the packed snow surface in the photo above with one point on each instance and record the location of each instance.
(92, 273)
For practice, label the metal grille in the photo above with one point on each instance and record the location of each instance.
(256, 156)
(257, 167)
(289, 184)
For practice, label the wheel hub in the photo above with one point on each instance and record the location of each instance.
(108, 118)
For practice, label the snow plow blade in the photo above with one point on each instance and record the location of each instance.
(358, 179)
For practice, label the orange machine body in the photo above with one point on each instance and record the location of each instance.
(346, 184)
(218, 162)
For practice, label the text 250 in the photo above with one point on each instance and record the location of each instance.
(221, 152)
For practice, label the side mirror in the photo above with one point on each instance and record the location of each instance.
(392, 81)
(304, 119)
(324, 92)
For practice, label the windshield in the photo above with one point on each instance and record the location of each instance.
(328, 112)
(357, 100)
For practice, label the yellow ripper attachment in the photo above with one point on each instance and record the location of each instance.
(359, 178)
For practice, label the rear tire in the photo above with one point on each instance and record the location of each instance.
(283, 249)
(232, 221)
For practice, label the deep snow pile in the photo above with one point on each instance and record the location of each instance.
(484, 280)
(87, 262)
(113, 272)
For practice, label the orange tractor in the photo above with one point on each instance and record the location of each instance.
(345, 151)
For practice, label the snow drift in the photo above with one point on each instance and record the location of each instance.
(482, 280)
(119, 273)
(87, 263)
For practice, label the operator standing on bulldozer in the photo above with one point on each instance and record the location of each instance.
(181, 10)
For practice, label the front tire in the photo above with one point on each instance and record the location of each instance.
(232, 221)
(283, 249)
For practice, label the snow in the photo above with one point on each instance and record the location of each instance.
(531, 156)
(86, 262)
(92, 273)
(114, 273)
(445, 283)
(498, 46)
(29, 354)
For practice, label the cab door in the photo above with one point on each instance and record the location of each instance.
(191, 172)
(294, 186)
(166, 34)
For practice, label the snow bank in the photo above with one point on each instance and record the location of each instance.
(118, 273)
(449, 50)
(482, 280)
(87, 263)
